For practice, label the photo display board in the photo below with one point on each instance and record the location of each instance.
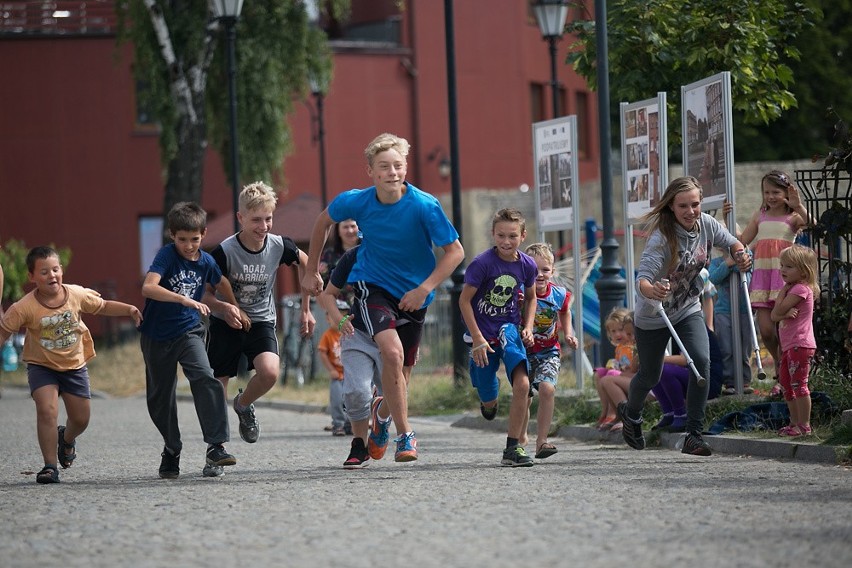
(556, 172)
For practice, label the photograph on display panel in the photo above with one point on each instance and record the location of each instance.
(707, 135)
(555, 155)
(642, 147)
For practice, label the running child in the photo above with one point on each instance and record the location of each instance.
(58, 345)
(329, 351)
(489, 304)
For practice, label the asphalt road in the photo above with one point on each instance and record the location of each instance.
(288, 502)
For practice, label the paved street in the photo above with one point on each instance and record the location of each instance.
(288, 502)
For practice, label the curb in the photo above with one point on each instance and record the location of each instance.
(722, 444)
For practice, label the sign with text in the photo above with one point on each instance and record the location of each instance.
(556, 172)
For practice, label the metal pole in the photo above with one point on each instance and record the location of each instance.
(554, 94)
(610, 286)
(460, 350)
(321, 138)
(231, 29)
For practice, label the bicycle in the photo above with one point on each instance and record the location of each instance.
(297, 351)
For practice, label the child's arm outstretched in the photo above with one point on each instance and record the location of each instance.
(220, 309)
(312, 280)
(452, 257)
(567, 328)
(113, 308)
(328, 301)
(785, 305)
(480, 349)
(307, 321)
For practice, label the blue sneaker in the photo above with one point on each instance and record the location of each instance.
(406, 448)
(377, 442)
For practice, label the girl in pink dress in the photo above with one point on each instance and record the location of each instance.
(772, 228)
(794, 310)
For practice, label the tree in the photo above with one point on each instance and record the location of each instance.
(176, 57)
(661, 45)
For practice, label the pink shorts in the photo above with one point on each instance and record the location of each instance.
(794, 369)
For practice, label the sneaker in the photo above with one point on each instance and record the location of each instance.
(516, 457)
(406, 448)
(249, 427)
(216, 455)
(213, 471)
(488, 413)
(632, 430)
(170, 465)
(695, 445)
(377, 442)
(358, 455)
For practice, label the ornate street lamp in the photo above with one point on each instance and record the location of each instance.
(551, 16)
(228, 12)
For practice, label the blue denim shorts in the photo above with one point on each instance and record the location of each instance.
(510, 350)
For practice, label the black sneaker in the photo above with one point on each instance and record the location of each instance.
(170, 465)
(516, 457)
(358, 456)
(216, 455)
(632, 431)
(488, 413)
(249, 427)
(695, 445)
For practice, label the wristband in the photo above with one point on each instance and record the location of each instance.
(478, 347)
(343, 321)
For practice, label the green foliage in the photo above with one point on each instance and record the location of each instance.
(442, 397)
(13, 258)
(663, 44)
(276, 47)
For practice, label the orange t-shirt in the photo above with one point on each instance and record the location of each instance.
(56, 338)
(330, 344)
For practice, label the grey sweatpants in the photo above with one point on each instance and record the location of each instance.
(161, 361)
(651, 345)
(362, 368)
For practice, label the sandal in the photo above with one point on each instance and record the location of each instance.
(790, 431)
(607, 423)
(805, 429)
(66, 459)
(545, 450)
(48, 474)
(617, 427)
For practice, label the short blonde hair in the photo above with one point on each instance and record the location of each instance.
(543, 250)
(258, 195)
(805, 261)
(384, 142)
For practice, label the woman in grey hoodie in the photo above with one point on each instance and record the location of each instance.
(679, 245)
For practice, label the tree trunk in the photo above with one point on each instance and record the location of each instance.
(185, 181)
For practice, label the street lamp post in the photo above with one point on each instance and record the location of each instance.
(460, 349)
(319, 96)
(228, 12)
(551, 16)
(610, 286)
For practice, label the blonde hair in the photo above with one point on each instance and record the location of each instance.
(543, 250)
(384, 142)
(662, 216)
(618, 316)
(805, 261)
(258, 195)
(509, 215)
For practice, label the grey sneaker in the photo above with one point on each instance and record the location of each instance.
(170, 465)
(516, 457)
(632, 431)
(249, 427)
(213, 471)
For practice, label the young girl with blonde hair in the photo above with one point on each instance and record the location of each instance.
(794, 311)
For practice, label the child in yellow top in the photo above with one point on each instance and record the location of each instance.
(58, 345)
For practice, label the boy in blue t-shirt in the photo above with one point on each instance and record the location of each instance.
(489, 304)
(395, 274)
(173, 333)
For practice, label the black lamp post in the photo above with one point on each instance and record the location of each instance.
(228, 12)
(318, 90)
(460, 349)
(551, 16)
(611, 287)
